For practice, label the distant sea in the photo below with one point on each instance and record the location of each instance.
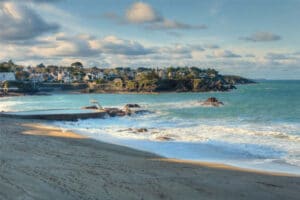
(258, 126)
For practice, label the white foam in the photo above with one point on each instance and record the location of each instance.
(190, 140)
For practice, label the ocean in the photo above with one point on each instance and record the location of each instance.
(258, 126)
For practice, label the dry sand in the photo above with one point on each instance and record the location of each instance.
(38, 162)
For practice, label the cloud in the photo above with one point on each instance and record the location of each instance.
(144, 14)
(18, 22)
(262, 37)
(114, 45)
(35, 1)
(278, 56)
(177, 51)
(86, 46)
(224, 54)
(171, 24)
(62, 45)
(212, 46)
(140, 12)
(250, 55)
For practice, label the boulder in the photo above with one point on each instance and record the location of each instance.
(141, 130)
(90, 108)
(132, 106)
(115, 112)
(212, 101)
(163, 138)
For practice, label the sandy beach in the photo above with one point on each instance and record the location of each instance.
(38, 162)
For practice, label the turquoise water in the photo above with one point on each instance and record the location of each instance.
(258, 126)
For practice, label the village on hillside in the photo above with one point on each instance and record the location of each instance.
(76, 76)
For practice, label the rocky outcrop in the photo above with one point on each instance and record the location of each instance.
(132, 106)
(115, 112)
(212, 101)
(217, 83)
(141, 130)
(90, 108)
(237, 80)
(128, 109)
(163, 138)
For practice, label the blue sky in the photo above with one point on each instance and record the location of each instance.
(256, 39)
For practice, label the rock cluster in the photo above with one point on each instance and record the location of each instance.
(132, 106)
(128, 109)
(212, 101)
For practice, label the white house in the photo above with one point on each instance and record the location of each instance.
(67, 79)
(37, 77)
(100, 75)
(88, 77)
(60, 76)
(162, 74)
(7, 76)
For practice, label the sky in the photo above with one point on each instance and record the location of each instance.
(255, 39)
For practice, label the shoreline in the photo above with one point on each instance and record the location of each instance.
(45, 162)
(80, 91)
(104, 92)
(215, 165)
(204, 163)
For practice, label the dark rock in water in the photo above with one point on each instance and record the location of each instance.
(212, 101)
(90, 108)
(115, 112)
(141, 130)
(164, 138)
(132, 106)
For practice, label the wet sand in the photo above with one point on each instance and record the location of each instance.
(38, 162)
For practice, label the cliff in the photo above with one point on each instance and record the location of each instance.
(217, 83)
(232, 79)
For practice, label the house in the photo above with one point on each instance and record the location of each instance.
(37, 77)
(60, 76)
(212, 75)
(89, 77)
(111, 76)
(99, 75)
(162, 74)
(67, 79)
(202, 75)
(118, 83)
(7, 76)
(171, 75)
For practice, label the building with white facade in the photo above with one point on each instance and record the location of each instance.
(7, 76)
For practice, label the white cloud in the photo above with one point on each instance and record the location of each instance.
(262, 37)
(171, 24)
(224, 54)
(144, 14)
(141, 13)
(277, 56)
(83, 45)
(114, 45)
(212, 46)
(62, 45)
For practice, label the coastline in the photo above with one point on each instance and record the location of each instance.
(44, 162)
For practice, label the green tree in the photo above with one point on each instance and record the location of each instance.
(5, 87)
(77, 65)
(196, 84)
(131, 85)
